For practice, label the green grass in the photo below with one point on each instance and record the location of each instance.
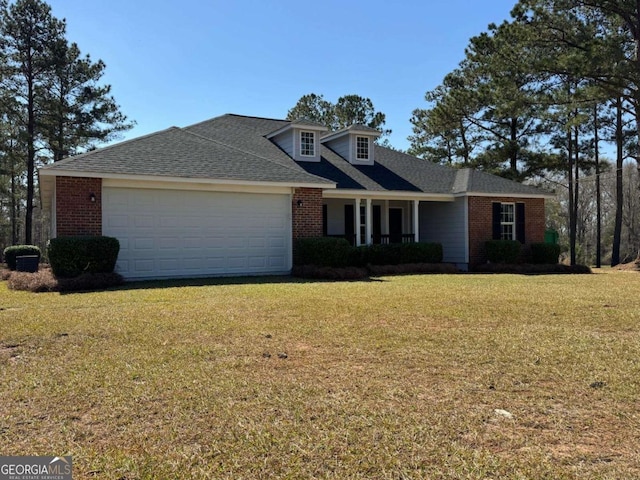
(397, 378)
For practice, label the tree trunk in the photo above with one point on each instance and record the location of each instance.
(598, 200)
(513, 150)
(572, 218)
(15, 213)
(617, 229)
(31, 152)
(576, 192)
(465, 144)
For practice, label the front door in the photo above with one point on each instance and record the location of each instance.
(395, 225)
(377, 224)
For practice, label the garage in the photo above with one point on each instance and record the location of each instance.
(184, 233)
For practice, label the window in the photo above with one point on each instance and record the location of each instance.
(362, 148)
(307, 144)
(363, 224)
(507, 221)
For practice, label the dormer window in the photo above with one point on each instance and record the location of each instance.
(299, 139)
(308, 144)
(354, 143)
(362, 148)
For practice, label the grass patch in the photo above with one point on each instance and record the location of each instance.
(403, 377)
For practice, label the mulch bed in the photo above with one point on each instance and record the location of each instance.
(45, 281)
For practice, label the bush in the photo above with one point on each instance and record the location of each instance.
(329, 273)
(10, 253)
(90, 281)
(531, 269)
(545, 253)
(397, 254)
(322, 252)
(503, 251)
(71, 256)
(411, 268)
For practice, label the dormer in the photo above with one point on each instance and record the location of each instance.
(354, 143)
(300, 139)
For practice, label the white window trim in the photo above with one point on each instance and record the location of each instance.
(313, 138)
(368, 157)
(513, 223)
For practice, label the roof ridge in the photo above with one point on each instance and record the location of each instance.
(218, 142)
(109, 147)
(234, 115)
(257, 117)
(461, 180)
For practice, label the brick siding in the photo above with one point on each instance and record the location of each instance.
(480, 223)
(76, 214)
(307, 218)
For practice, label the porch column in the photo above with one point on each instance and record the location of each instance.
(369, 224)
(385, 222)
(416, 220)
(358, 223)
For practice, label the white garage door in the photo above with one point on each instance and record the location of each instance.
(174, 233)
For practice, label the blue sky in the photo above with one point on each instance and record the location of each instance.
(178, 63)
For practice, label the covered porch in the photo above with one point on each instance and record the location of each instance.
(367, 220)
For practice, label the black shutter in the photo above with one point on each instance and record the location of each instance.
(497, 214)
(324, 220)
(520, 222)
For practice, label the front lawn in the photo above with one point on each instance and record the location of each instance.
(394, 378)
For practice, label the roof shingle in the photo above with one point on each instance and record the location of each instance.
(234, 147)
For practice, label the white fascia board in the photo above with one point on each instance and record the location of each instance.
(511, 195)
(385, 195)
(333, 136)
(162, 180)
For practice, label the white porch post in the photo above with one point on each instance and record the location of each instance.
(416, 220)
(385, 223)
(368, 225)
(358, 223)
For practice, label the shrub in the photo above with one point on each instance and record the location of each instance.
(542, 253)
(531, 269)
(329, 273)
(71, 256)
(503, 251)
(90, 281)
(10, 253)
(411, 268)
(420, 253)
(397, 254)
(336, 252)
(322, 252)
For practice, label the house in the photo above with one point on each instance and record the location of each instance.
(229, 196)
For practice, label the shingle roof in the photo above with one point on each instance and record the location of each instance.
(469, 180)
(185, 153)
(234, 147)
(356, 127)
(391, 171)
(307, 122)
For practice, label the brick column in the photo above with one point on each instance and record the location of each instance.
(76, 214)
(306, 211)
